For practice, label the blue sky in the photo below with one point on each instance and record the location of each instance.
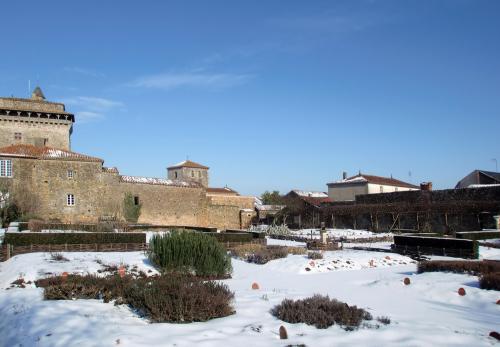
(269, 94)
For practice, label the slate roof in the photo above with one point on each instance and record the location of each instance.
(47, 153)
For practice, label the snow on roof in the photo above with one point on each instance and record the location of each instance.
(158, 181)
(388, 181)
(483, 185)
(310, 194)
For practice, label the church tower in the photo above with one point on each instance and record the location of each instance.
(35, 121)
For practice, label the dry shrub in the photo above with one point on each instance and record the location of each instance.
(35, 225)
(320, 311)
(261, 254)
(460, 266)
(315, 255)
(490, 281)
(384, 320)
(58, 257)
(296, 250)
(172, 298)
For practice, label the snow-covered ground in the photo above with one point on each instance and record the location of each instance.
(349, 234)
(428, 312)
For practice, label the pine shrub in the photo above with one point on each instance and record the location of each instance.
(315, 255)
(189, 252)
(320, 311)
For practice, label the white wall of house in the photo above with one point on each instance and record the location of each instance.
(377, 188)
(347, 192)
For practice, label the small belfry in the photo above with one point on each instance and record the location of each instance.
(37, 94)
(35, 121)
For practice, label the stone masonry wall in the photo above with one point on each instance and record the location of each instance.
(45, 185)
(34, 130)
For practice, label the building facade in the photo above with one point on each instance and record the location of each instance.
(347, 188)
(51, 182)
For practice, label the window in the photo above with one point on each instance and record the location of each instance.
(18, 136)
(199, 174)
(175, 174)
(70, 173)
(45, 142)
(70, 200)
(381, 189)
(192, 173)
(396, 189)
(6, 168)
(136, 200)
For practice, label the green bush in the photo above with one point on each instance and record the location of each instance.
(189, 252)
(131, 210)
(171, 298)
(320, 311)
(232, 237)
(26, 239)
(459, 266)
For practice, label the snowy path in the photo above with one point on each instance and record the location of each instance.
(426, 313)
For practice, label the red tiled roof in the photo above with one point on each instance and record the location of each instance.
(387, 181)
(315, 201)
(188, 163)
(224, 190)
(48, 153)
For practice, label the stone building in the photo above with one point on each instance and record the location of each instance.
(50, 181)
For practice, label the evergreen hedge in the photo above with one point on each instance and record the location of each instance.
(189, 252)
(26, 239)
(478, 235)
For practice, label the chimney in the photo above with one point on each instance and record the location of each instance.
(426, 186)
(344, 175)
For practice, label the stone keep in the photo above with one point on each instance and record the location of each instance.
(35, 122)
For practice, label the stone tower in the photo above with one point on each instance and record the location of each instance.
(189, 171)
(35, 122)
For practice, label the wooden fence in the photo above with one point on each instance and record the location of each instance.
(7, 251)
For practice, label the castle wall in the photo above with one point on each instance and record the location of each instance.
(34, 130)
(43, 186)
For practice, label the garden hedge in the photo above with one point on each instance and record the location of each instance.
(478, 235)
(232, 237)
(26, 239)
(437, 245)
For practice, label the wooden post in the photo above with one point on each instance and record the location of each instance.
(7, 256)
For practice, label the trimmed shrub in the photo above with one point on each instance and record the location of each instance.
(459, 266)
(26, 239)
(232, 237)
(189, 252)
(171, 298)
(261, 254)
(490, 281)
(478, 235)
(268, 253)
(320, 311)
(315, 255)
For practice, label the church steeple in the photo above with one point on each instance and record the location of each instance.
(37, 94)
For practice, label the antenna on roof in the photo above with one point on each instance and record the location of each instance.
(496, 164)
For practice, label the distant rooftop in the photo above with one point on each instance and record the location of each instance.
(30, 151)
(158, 181)
(362, 178)
(188, 163)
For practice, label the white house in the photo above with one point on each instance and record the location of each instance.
(347, 188)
